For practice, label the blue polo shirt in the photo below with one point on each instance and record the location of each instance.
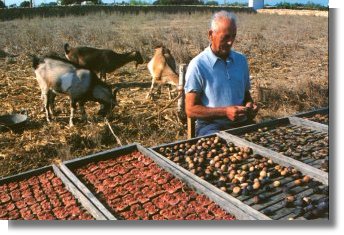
(220, 83)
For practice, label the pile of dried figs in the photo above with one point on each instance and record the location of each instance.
(322, 118)
(136, 188)
(41, 197)
(250, 177)
(297, 142)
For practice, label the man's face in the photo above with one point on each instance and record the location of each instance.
(223, 38)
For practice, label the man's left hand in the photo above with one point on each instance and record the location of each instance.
(252, 110)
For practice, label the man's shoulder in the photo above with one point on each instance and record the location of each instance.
(238, 55)
(201, 56)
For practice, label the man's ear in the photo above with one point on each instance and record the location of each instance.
(210, 34)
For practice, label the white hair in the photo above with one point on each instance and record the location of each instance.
(220, 16)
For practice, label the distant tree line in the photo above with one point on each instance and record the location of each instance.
(178, 2)
(2, 4)
(283, 5)
(308, 5)
(69, 2)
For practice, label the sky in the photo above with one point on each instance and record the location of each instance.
(270, 2)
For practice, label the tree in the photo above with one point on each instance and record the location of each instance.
(212, 3)
(25, 4)
(138, 2)
(2, 4)
(50, 4)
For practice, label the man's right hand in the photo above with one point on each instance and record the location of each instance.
(235, 113)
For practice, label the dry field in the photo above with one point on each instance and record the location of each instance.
(288, 58)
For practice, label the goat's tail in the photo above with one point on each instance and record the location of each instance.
(66, 48)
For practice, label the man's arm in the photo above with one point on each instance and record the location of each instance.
(195, 109)
(248, 98)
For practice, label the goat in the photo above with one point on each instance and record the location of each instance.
(57, 75)
(100, 60)
(162, 68)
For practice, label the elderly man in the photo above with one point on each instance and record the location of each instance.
(217, 81)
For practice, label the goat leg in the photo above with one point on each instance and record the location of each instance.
(72, 110)
(46, 105)
(51, 100)
(150, 93)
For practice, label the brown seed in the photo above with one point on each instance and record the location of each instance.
(223, 189)
(224, 167)
(262, 173)
(236, 190)
(256, 185)
(298, 182)
(239, 158)
(256, 199)
(231, 176)
(222, 178)
(235, 181)
(290, 198)
(277, 183)
(306, 179)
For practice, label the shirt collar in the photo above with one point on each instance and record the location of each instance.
(213, 58)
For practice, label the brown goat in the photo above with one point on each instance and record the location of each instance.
(100, 60)
(162, 67)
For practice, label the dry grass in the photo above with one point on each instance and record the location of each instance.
(288, 58)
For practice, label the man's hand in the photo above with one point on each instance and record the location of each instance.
(235, 113)
(252, 110)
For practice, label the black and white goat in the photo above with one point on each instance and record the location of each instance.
(57, 75)
(100, 60)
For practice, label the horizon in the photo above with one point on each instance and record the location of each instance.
(266, 2)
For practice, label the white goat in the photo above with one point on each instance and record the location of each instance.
(56, 75)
